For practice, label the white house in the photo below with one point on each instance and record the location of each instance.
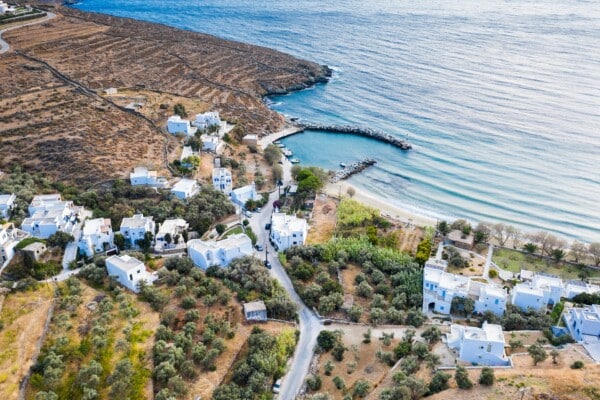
(174, 228)
(210, 142)
(241, 195)
(583, 323)
(97, 236)
(9, 238)
(573, 288)
(287, 231)
(7, 203)
(141, 176)
(441, 287)
(135, 228)
(5, 8)
(185, 188)
(221, 179)
(48, 215)
(175, 124)
(207, 119)
(129, 271)
(541, 292)
(221, 253)
(255, 311)
(480, 346)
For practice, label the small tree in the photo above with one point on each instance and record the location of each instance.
(537, 353)
(326, 340)
(168, 238)
(515, 344)
(487, 376)
(313, 383)
(351, 191)
(439, 382)
(220, 228)
(328, 367)
(361, 388)
(462, 378)
(367, 336)
(432, 334)
(339, 383)
(577, 365)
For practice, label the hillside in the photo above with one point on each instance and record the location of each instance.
(53, 120)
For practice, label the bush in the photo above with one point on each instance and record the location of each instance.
(313, 383)
(487, 376)
(439, 382)
(577, 365)
(462, 378)
(327, 340)
(493, 273)
(339, 383)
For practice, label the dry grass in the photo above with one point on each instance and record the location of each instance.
(23, 315)
(544, 381)
(323, 220)
(359, 362)
(48, 124)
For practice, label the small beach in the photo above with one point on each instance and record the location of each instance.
(387, 209)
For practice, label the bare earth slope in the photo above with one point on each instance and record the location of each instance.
(51, 120)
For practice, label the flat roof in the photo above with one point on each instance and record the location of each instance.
(125, 262)
(184, 185)
(137, 221)
(258, 305)
(231, 242)
(284, 223)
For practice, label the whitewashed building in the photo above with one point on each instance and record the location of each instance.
(207, 253)
(135, 228)
(5, 8)
(583, 323)
(573, 288)
(141, 176)
(50, 214)
(287, 231)
(441, 287)
(255, 311)
(241, 195)
(7, 203)
(207, 119)
(174, 229)
(541, 292)
(9, 238)
(479, 346)
(185, 188)
(176, 124)
(129, 271)
(210, 143)
(221, 179)
(97, 236)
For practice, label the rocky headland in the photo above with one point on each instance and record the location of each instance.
(53, 118)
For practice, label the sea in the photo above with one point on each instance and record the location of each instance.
(499, 98)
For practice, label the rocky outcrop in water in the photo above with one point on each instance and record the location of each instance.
(360, 131)
(352, 169)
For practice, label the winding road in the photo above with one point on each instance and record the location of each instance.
(4, 46)
(310, 325)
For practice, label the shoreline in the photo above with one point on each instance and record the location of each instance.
(386, 209)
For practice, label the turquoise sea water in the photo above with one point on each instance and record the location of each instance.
(500, 99)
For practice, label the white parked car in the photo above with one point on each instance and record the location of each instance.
(277, 386)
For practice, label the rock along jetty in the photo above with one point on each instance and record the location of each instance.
(351, 169)
(357, 130)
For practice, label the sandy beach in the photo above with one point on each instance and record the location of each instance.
(387, 209)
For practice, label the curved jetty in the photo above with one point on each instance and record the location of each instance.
(352, 169)
(357, 130)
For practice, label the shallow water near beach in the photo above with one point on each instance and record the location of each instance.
(500, 99)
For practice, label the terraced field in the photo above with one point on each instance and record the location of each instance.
(52, 120)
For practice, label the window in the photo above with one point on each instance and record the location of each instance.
(489, 347)
(497, 301)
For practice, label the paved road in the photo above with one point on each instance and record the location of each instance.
(310, 325)
(4, 47)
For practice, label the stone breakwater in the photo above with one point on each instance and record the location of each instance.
(357, 130)
(351, 169)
